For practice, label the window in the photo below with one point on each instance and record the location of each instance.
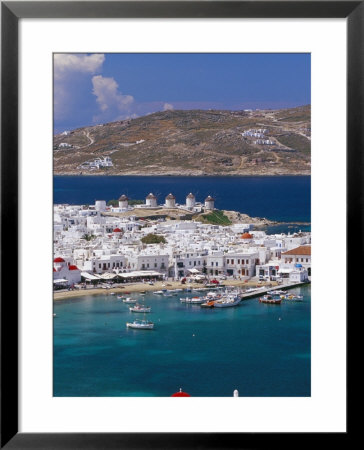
(217, 263)
(239, 262)
(212, 263)
(232, 261)
(247, 261)
(228, 260)
(155, 264)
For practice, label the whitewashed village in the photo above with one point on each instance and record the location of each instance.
(102, 246)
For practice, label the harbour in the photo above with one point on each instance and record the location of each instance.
(259, 349)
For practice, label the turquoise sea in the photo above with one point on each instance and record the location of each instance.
(261, 350)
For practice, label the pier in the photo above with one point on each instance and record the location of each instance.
(264, 289)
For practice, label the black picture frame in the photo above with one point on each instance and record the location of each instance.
(11, 12)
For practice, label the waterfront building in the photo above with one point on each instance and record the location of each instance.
(151, 201)
(170, 201)
(299, 255)
(190, 201)
(65, 273)
(123, 202)
(209, 203)
(100, 205)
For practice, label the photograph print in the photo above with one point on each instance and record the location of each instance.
(182, 225)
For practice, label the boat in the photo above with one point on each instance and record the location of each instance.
(158, 292)
(272, 300)
(276, 292)
(293, 297)
(121, 297)
(227, 301)
(129, 300)
(140, 309)
(212, 296)
(192, 300)
(208, 304)
(54, 315)
(112, 293)
(140, 325)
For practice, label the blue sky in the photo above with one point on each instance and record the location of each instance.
(98, 88)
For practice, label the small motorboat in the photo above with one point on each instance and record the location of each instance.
(269, 299)
(293, 297)
(208, 304)
(227, 301)
(140, 325)
(276, 292)
(158, 292)
(129, 300)
(54, 315)
(121, 297)
(140, 309)
(192, 300)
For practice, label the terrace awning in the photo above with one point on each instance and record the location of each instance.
(89, 276)
(60, 281)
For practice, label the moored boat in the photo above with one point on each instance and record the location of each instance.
(226, 301)
(270, 299)
(140, 309)
(193, 300)
(141, 325)
(293, 297)
(129, 300)
(208, 304)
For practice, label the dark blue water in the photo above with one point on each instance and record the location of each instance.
(283, 198)
(261, 350)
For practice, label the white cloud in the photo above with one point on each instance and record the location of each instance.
(69, 69)
(168, 107)
(110, 100)
(68, 63)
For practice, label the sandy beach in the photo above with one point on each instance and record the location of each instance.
(140, 287)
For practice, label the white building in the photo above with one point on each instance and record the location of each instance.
(123, 202)
(63, 270)
(170, 201)
(151, 201)
(190, 201)
(100, 205)
(209, 203)
(300, 255)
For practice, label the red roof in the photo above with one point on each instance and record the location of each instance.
(116, 230)
(58, 260)
(73, 268)
(247, 236)
(180, 394)
(303, 250)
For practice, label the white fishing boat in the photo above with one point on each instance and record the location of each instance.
(121, 297)
(192, 300)
(276, 292)
(129, 300)
(140, 325)
(271, 300)
(293, 297)
(140, 309)
(227, 301)
(158, 292)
